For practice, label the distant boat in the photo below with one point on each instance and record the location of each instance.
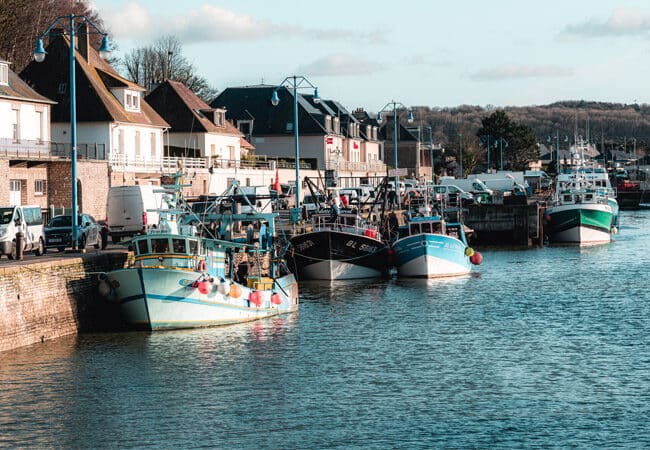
(581, 212)
(180, 279)
(430, 247)
(338, 247)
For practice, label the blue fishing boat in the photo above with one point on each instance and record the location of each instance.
(428, 246)
(184, 275)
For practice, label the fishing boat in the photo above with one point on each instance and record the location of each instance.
(339, 246)
(429, 246)
(581, 212)
(198, 271)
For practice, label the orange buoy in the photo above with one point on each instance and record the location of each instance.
(235, 291)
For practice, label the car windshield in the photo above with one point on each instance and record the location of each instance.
(5, 215)
(63, 221)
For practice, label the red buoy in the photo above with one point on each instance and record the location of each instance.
(276, 299)
(476, 258)
(204, 286)
(255, 297)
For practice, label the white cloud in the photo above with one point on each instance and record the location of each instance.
(622, 22)
(210, 24)
(522, 71)
(339, 64)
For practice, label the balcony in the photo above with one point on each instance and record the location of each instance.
(370, 166)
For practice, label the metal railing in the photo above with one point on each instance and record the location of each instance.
(370, 166)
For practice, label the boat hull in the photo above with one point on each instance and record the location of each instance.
(163, 299)
(579, 224)
(338, 255)
(430, 256)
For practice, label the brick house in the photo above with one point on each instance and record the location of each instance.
(24, 141)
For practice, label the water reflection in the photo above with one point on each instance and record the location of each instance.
(536, 348)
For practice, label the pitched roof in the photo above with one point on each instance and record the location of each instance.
(185, 111)
(243, 102)
(19, 90)
(94, 78)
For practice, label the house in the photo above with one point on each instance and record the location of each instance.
(114, 123)
(197, 130)
(24, 141)
(409, 145)
(329, 136)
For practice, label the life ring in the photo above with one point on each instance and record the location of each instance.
(201, 266)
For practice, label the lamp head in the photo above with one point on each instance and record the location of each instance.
(275, 100)
(39, 51)
(410, 117)
(379, 118)
(104, 49)
(316, 97)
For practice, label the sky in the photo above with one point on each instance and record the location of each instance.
(416, 52)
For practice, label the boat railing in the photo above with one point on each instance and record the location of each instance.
(345, 223)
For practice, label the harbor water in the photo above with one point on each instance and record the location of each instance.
(544, 347)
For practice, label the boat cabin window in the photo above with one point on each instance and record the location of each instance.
(426, 228)
(578, 199)
(178, 245)
(193, 247)
(589, 197)
(160, 245)
(143, 247)
(567, 198)
(414, 228)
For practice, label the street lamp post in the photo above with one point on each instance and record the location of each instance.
(460, 146)
(394, 105)
(501, 141)
(295, 83)
(73, 23)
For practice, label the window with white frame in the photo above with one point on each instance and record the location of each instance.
(153, 145)
(39, 126)
(40, 187)
(15, 128)
(219, 117)
(4, 73)
(131, 100)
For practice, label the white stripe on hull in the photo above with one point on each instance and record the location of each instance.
(337, 270)
(582, 235)
(431, 267)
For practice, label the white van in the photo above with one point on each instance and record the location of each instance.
(474, 186)
(130, 210)
(450, 191)
(27, 219)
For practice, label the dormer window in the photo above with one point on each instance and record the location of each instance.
(132, 100)
(220, 117)
(4, 73)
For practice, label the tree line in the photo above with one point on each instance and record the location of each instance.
(610, 125)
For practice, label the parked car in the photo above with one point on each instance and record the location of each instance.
(58, 232)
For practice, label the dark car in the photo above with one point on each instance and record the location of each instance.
(58, 232)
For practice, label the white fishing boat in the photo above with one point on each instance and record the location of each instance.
(185, 276)
(580, 212)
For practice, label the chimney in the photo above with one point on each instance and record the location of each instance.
(83, 41)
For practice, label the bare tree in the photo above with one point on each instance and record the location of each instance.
(22, 21)
(161, 61)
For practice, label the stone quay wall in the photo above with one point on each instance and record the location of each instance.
(46, 300)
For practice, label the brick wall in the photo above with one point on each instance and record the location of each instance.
(92, 189)
(54, 298)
